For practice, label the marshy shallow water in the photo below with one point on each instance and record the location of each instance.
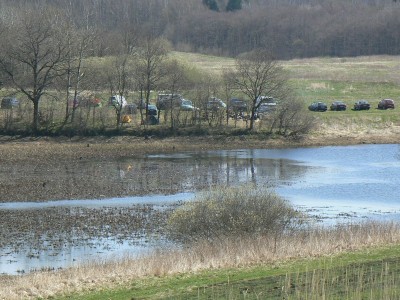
(53, 216)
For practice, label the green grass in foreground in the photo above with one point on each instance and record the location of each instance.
(367, 274)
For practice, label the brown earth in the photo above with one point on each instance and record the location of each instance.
(45, 149)
(41, 169)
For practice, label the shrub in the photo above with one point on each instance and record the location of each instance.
(232, 212)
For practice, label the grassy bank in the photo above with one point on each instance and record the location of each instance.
(227, 266)
(367, 274)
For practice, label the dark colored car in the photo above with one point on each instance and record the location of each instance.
(165, 101)
(236, 104)
(338, 105)
(131, 108)
(9, 102)
(237, 108)
(386, 103)
(318, 106)
(362, 105)
(152, 110)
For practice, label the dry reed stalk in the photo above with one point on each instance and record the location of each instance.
(227, 253)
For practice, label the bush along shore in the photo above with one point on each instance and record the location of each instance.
(247, 234)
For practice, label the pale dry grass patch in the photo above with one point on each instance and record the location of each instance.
(318, 86)
(358, 129)
(228, 253)
(348, 69)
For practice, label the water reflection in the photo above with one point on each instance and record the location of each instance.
(164, 174)
(105, 208)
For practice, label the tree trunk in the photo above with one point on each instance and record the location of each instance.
(36, 115)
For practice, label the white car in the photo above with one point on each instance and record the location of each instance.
(117, 101)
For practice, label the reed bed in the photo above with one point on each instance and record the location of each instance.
(229, 253)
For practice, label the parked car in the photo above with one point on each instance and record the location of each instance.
(80, 101)
(237, 108)
(386, 103)
(187, 105)
(152, 115)
(131, 108)
(362, 105)
(117, 100)
(152, 110)
(318, 106)
(9, 102)
(164, 101)
(265, 104)
(236, 104)
(338, 105)
(265, 99)
(215, 104)
(265, 108)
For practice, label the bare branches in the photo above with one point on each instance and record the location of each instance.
(257, 74)
(34, 56)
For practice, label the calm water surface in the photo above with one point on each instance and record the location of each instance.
(334, 184)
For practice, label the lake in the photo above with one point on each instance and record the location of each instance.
(121, 212)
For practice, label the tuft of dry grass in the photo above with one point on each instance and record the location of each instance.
(228, 253)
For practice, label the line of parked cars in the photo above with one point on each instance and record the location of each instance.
(358, 105)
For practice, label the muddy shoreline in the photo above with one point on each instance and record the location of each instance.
(47, 149)
(42, 169)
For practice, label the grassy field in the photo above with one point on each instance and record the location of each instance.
(372, 77)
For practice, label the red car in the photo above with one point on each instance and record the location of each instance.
(385, 104)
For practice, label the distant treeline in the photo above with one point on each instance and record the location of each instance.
(289, 28)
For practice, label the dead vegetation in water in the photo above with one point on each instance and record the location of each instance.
(57, 229)
(242, 252)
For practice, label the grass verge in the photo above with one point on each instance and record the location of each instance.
(367, 274)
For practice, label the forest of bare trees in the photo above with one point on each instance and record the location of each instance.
(287, 28)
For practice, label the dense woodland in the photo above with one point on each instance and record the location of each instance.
(288, 28)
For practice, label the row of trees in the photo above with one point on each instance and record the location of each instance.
(288, 28)
(44, 51)
(44, 55)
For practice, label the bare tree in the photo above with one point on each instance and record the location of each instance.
(149, 72)
(207, 87)
(34, 56)
(119, 80)
(173, 82)
(79, 44)
(256, 74)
